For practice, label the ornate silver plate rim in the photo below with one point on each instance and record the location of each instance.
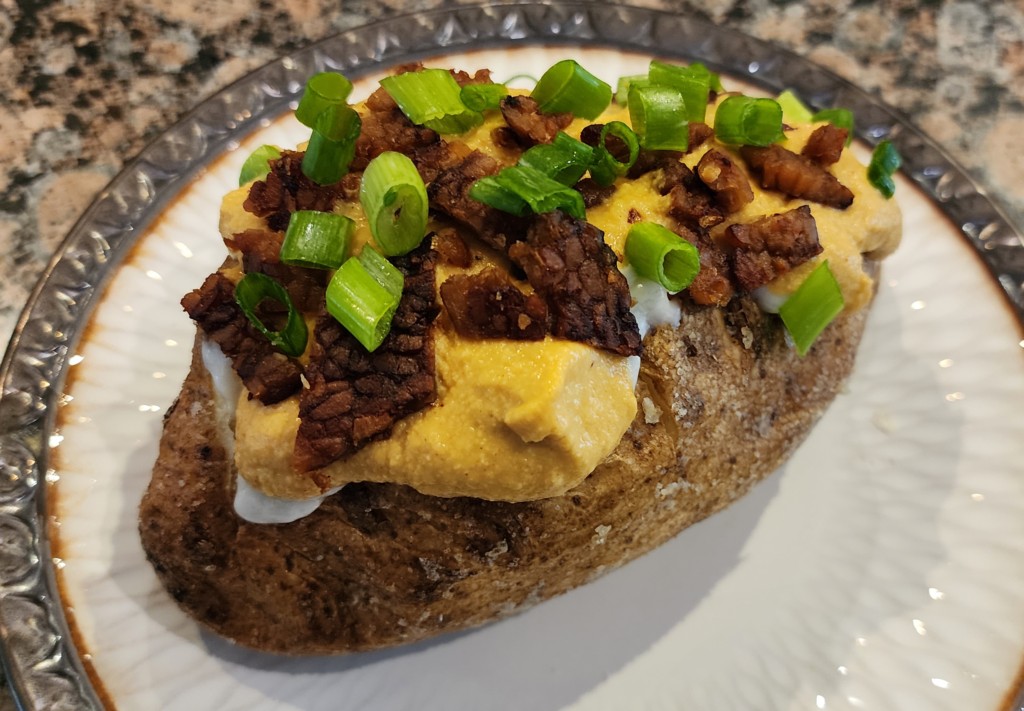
(37, 652)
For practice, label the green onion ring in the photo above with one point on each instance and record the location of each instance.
(251, 291)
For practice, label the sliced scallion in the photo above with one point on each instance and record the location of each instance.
(622, 89)
(567, 86)
(363, 296)
(517, 77)
(884, 162)
(692, 82)
(432, 98)
(395, 202)
(714, 80)
(483, 97)
(541, 193)
(565, 159)
(488, 191)
(840, 118)
(658, 115)
(606, 167)
(658, 254)
(322, 90)
(257, 165)
(812, 307)
(332, 144)
(793, 110)
(318, 240)
(251, 291)
(743, 120)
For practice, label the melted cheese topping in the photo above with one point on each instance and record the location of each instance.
(518, 421)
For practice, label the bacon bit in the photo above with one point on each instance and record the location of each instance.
(699, 134)
(380, 100)
(593, 194)
(591, 135)
(576, 273)
(713, 283)
(482, 76)
(349, 186)
(728, 181)
(431, 160)
(260, 253)
(287, 189)
(826, 144)
(268, 375)
(693, 207)
(451, 248)
(772, 246)
(506, 138)
(389, 130)
(529, 124)
(449, 193)
(796, 176)
(355, 397)
(634, 216)
(489, 305)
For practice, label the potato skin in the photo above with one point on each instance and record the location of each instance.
(379, 565)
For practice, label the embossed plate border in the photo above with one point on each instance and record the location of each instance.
(37, 653)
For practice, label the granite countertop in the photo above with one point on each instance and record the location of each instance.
(84, 84)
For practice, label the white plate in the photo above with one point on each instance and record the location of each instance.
(882, 568)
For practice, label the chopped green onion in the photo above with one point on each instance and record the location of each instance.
(884, 162)
(658, 115)
(332, 144)
(840, 118)
(257, 165)
(432, 98)
(565, 159)
(251, 291)
(488, 191)
(516, 77)
(692, 82)
(658, 254)
(318, 240)
(622, 89)
(363, 296)
(541, 193)
(793, 110)
(395, 202)
(747, 121)
(606, 168)
(483, 97)
(714, 80)
(322, 90)
(569, 87)
(812, 307)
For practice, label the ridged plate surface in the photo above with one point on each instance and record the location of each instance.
(882, 568)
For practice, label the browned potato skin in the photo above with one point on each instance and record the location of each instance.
(361, 572)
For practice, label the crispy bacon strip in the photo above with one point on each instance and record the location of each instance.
(772, 246)
(389, 130)
(826, 144)
(576, 273)
(528, 124)
(796, 176)
(593, 194)
(726, 179)
(451, 249)
(438, 157)
(287, 189)
(713, 284)
(489, 305)
(260, 253)
(354, 396)
(449, 193)
(267, 374)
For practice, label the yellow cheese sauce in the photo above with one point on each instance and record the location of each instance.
(519, 421)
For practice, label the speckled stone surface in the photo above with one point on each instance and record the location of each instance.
(84, 84)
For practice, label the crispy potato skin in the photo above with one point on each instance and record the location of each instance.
(379, 565)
